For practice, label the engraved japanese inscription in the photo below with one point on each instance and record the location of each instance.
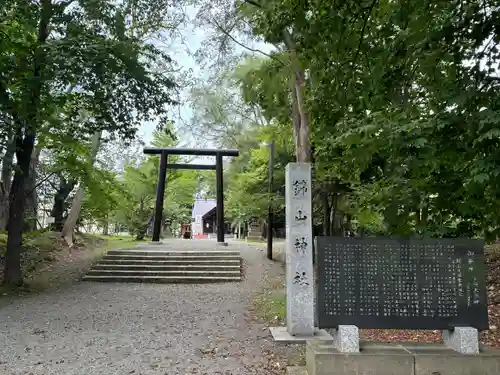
(299, 250)
(301, 278)
(299, 188)
(408, 284)
(300, 215)
(300, 245)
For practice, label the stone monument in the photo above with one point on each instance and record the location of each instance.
(401, 284)
(299, 258)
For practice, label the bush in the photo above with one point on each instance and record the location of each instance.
(37, 247)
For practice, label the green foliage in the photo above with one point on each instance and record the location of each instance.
(131, 199)
(70, 70)
(220, 114)
(403, 99)
(248, 189)
(91, 68)
(38, 247)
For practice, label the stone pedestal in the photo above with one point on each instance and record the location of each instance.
(464, 340)
(322, 358)
(346, 339)
(299, 257)
(281, 335)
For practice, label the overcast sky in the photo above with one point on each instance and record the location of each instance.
(182, 54)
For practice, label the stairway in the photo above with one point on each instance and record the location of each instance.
(167, 266)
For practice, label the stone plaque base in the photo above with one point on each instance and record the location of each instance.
(296, 370)
(398, 359)
(280, 334)
(464, 340)
(346, 339)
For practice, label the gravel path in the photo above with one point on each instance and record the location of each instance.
(107, 328)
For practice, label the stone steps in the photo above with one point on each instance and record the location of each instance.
(162, 280)
(167, 262)
(171, 257)
(113, 272)
(184, 253)
(166, 266)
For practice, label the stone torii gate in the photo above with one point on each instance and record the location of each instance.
(160, 188)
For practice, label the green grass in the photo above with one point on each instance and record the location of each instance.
(117, 242)
(112, 242)
(271, 306)
(48, 261)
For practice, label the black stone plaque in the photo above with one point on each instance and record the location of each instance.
(401, 284)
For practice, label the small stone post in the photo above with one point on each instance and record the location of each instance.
(299, 257)
(462, 339)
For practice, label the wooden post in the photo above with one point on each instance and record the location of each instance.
(160, 194)
(220, 197)
(270, 208)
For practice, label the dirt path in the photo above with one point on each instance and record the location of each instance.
(93, 328)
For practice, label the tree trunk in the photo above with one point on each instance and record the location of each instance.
(13, 273)
(333, 215)
(70, 223)
(326, 214)
(31, 204)
(304, 152)
(24, 149)
(5, 183)
(105, 228)
(418, 222)
(74, 213)
(295, 120)
(349, 232)
(59, 207)
(302, 142)
(425, 214)
(301, 133)
(391, 217)
(142, 231)
(4, 208)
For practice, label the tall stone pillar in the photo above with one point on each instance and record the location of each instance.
(299, 256)
(299, 259)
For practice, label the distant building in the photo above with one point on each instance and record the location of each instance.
(204, 219)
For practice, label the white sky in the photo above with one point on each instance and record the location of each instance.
(181, 54)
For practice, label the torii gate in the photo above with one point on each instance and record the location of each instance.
(160, 188)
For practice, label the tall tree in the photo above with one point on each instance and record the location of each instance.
(388, 88)
(82, 45)
(70, 223)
